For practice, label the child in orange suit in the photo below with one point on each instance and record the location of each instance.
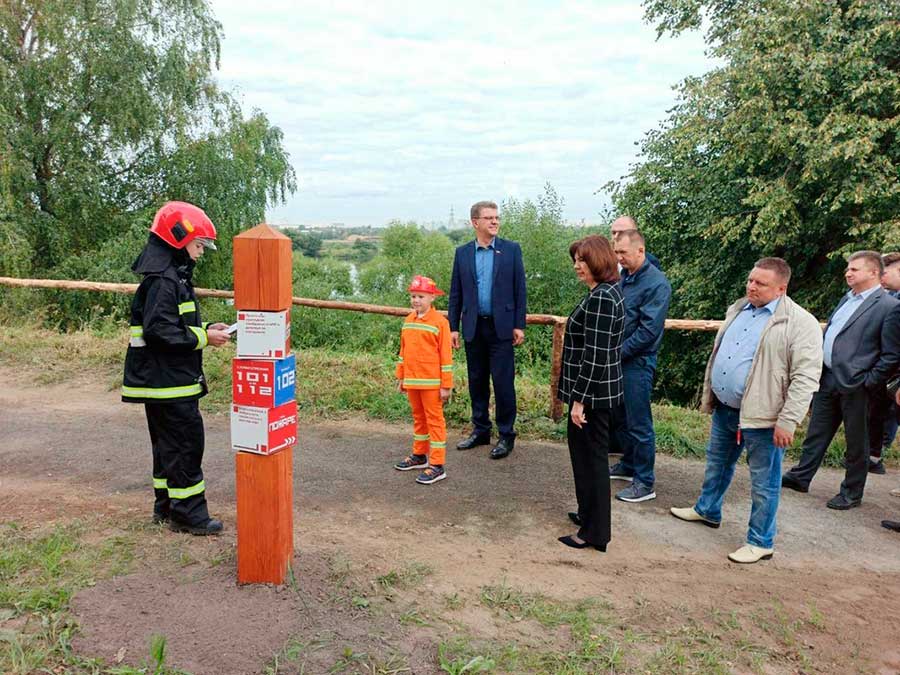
(425, 372)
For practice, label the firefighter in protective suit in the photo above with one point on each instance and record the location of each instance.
(164, 363)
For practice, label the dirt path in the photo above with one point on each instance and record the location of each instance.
(74, 449)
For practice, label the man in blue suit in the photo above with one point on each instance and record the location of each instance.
(487, 296)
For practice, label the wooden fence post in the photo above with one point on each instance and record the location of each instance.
(559, 332)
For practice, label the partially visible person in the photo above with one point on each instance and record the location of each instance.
(893, 524)
(883, 410)
(590, 382)
(487, 305)
(425, 373)
(164, 363)
(647, 293)
(861, 349)
(759, 380)
(627, 224)
(890, 278)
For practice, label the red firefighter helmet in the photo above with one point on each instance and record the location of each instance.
(179, 223)
(422, 284)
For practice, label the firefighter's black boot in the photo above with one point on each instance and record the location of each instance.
(211, 526)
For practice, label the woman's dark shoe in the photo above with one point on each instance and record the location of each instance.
(575, 518)
(568, 540)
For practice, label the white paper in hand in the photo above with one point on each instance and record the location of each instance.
(231, 329)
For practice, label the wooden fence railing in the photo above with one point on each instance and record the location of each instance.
(558, 322)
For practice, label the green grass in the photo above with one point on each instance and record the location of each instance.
(409, 576)
(41, 568)
(581, 615)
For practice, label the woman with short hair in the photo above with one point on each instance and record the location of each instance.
(590, 382)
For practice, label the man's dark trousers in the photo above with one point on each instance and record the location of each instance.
(635, 434)
(882, 421)
(490, 358)
(830, 407)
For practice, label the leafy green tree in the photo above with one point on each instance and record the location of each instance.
(788, 148)
(364, 250)
(542, 233)
(553, 288)
(308, 243)
(108, 109)
(460, 235)
(400, 241)
(323, 279)
(407, 250)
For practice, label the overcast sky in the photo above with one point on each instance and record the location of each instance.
(404, 109)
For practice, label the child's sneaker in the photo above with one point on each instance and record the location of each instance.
(431, 475)
(412, 462)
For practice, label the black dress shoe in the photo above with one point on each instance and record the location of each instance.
(569, 541)
(575, 518)
(891, 525)
(877, 468)
(211, 526)
(788, 481)
(474, 440)
(841, 503)
(503, 448)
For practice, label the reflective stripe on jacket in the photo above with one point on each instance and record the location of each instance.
(426, 360)
(164, 360)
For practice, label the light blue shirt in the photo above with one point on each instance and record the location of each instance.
(840, 319)
(484, 276)
(736, 351)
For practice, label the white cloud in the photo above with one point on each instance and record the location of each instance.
(399, 109)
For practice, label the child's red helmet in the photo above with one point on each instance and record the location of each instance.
(422, 284)
(179, 223)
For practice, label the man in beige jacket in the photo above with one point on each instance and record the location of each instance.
(761, 376)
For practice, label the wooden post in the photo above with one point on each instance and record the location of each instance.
(262, 270)
(559, 332)
(265, 523)
(264, 482)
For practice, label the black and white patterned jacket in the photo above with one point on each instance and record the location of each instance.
(591, 361)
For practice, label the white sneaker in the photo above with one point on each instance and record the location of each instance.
(895, 493)
(690, 515)
(748, 553)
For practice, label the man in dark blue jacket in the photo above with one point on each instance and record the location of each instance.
(626, 225)
(487, 301)
(647, 293)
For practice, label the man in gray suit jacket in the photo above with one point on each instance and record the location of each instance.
(861, 349)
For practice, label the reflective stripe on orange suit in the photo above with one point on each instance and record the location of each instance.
(425, 366)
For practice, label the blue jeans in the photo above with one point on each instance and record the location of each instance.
(890, 429)
(634, 432)
(764, 458)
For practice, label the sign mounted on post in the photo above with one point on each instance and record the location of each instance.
(263, 383)
(263, 335)
(263, 430)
